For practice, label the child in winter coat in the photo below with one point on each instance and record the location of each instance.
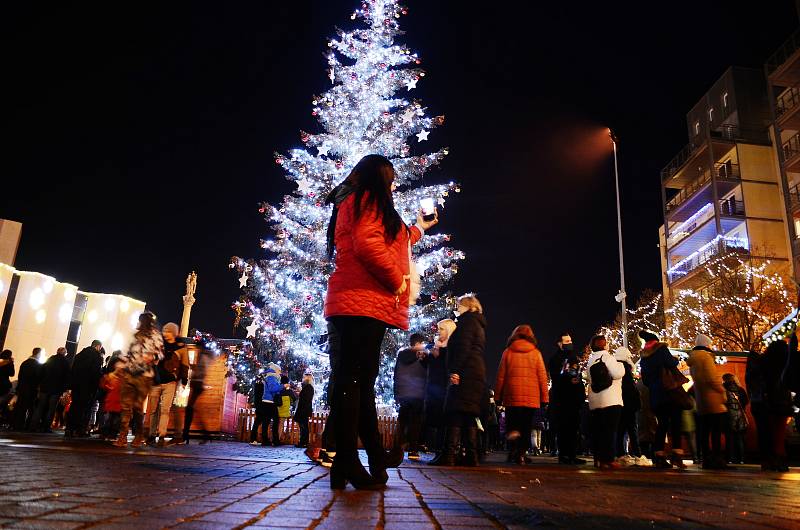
(271, 399)
(284, 407)
(111, 383)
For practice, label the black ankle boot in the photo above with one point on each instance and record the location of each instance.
(377, 467)
(448, 455)
(350, 470)
(471, 447)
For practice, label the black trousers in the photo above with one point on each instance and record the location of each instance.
(270, 416)
(604, 423)
(669, 420)
(195, 391)
(79, 410)
(354, 370)
(409, 423)
(302, 424)
(568, 424)
(260, 421)
(45, 410)
(628, 425)
(710, 430)
(519, 419)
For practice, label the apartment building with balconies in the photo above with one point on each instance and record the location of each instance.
(720, 193)
(783, 87)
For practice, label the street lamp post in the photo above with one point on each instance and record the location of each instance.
(621, 295)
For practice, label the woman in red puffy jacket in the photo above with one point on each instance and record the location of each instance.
(367, 293)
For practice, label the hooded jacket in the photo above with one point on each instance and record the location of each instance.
(653, 359)
(369, 267)
(272, 386)
(708, 390)
(409, 377)
(521, 378)
(611, 396)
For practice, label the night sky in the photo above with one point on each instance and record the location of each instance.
(139, 141)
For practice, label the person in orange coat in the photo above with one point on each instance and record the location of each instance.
(521, 387)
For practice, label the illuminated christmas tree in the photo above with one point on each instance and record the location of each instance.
(367, 110)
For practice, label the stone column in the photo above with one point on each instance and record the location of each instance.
(188, 302)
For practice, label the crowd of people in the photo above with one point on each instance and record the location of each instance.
(600, 400)
(582, 401)
(90, 394)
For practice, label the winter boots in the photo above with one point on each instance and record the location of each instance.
(448, 455)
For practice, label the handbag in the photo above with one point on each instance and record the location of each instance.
(672, 380)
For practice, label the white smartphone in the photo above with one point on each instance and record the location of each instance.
(428, 209)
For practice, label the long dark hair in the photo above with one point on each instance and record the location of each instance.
(147, 323)
(371, 182)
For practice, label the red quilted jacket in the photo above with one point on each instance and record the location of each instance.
(368, 268)
(521, 378)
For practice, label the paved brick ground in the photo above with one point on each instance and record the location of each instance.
(49, 483)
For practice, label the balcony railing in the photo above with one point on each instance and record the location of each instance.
(783, 53)
(724, 132)
(791, 147)
(718, 247)
(731, 208)
(721, 171)
(794, 197)
(787, 101)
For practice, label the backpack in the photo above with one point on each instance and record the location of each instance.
(601, 377)
(736, 414)
(172, 364)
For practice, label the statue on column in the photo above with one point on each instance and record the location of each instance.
(188, 302)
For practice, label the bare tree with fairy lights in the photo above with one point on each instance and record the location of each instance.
(367, 110)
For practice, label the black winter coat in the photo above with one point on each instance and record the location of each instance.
(55, 375)
(436, 378)
(567, 392)
(304, 403)
(86, 371)
(258, 392)
(30, 373)
(631, 399)
(766, 382)
(465, 358)
(409, 377)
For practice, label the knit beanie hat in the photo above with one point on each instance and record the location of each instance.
(703, 340)
(647, 336)
(170, 326)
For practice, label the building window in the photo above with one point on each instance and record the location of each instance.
(725, 100)
(710, 115)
